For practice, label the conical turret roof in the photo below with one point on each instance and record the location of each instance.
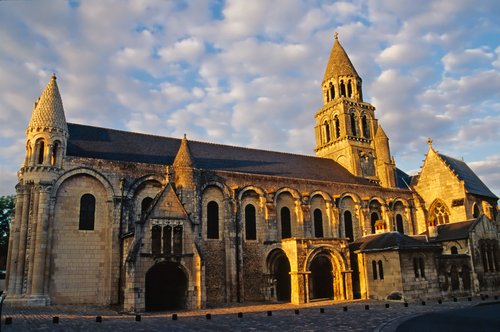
(183, 157)
(339, 63)
(48, 111)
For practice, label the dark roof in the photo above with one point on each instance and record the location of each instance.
(472, 182)
(403, 180)
(102, 143)
(390, 241)
(454, 231)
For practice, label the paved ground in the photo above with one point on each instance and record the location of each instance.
(326, 315)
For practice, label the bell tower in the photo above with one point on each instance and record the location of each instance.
(346, 128)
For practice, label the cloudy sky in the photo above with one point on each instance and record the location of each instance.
(249, 72)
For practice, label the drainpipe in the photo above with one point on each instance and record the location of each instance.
(120, 233)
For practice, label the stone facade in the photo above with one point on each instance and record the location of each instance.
(152, 223)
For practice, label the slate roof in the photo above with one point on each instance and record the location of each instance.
(403, 180)
(108, 144)
(391, 241)
(473, 183)
(454, 231)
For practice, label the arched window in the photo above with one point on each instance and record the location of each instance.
(354, 124)
(145, 204)
(475, 211)
(286, 225)
(87, 213)
(349, 89)
(439, 214)
(53, 155)
(250, 223)
(454, 250)
(422, 266)
(399, 224)
(348, 226)
(373, 219)
(167, 240)
(337, 126)
(326, 127)
(380, 270)
(365, 126)
(318, 223)
(332, 91)
(374, 270)
(156, 240)
(342, 88)
(177, 240)
(41, 151)
(212, 220)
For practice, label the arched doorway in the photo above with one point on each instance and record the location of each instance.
(321, 278)
(279, 267)
(166, 287)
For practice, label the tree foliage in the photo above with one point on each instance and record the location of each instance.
(7, 204)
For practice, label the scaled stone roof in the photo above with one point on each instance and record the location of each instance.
(183, 157)
(102, 143)
(339, 63)
(390, 241)
(473, 183)
(49, 111)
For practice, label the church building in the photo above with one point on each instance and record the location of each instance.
(106, 217)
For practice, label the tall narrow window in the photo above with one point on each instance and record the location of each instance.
(156, 240)
(55, 151)
(365, 126)
(399, 224)
(332, 92)
(416, 267)
(41, 151)
(167, 240)
(337, 126)
(145, 204)
(348, 226)
(286, 225)
(349, 89)
(326, 127)
(354, 125)
(87, 213)
(422, 266)
(373, 218)
(212, 220)
(475, 211)
(177, 240)
(380, 270)
(374, 270)
(318, 223)
(342, 88)
(250, 223)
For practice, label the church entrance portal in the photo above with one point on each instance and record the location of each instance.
(280, 270)
(321, 278)
(166, 287)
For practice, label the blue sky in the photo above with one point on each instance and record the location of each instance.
(249, 72)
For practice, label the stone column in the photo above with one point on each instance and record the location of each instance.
(40, 250)
(21, 245)
(14, 240)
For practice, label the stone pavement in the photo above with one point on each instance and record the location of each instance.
(316, 316)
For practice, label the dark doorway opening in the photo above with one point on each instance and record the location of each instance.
(166, 287)
(321, 284)
(282, 277)
(356, 287)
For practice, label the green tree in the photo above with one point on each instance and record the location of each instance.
(7, 204)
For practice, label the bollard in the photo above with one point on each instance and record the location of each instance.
(486, 296)
(98, 319)
(208, 316)
(55, 320)
(174, 316)
(455, 299)
(367, 307)
(406, 304)
(345, 308)
(240, 315)
(469, 299)
(297, 311)
(8, 320)
(496, 297)
(423, 302)
(440, 301)
(321, 310)
(387, 305)
(269, 313)
(137, 318)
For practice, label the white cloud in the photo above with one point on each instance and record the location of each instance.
(188, 49)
